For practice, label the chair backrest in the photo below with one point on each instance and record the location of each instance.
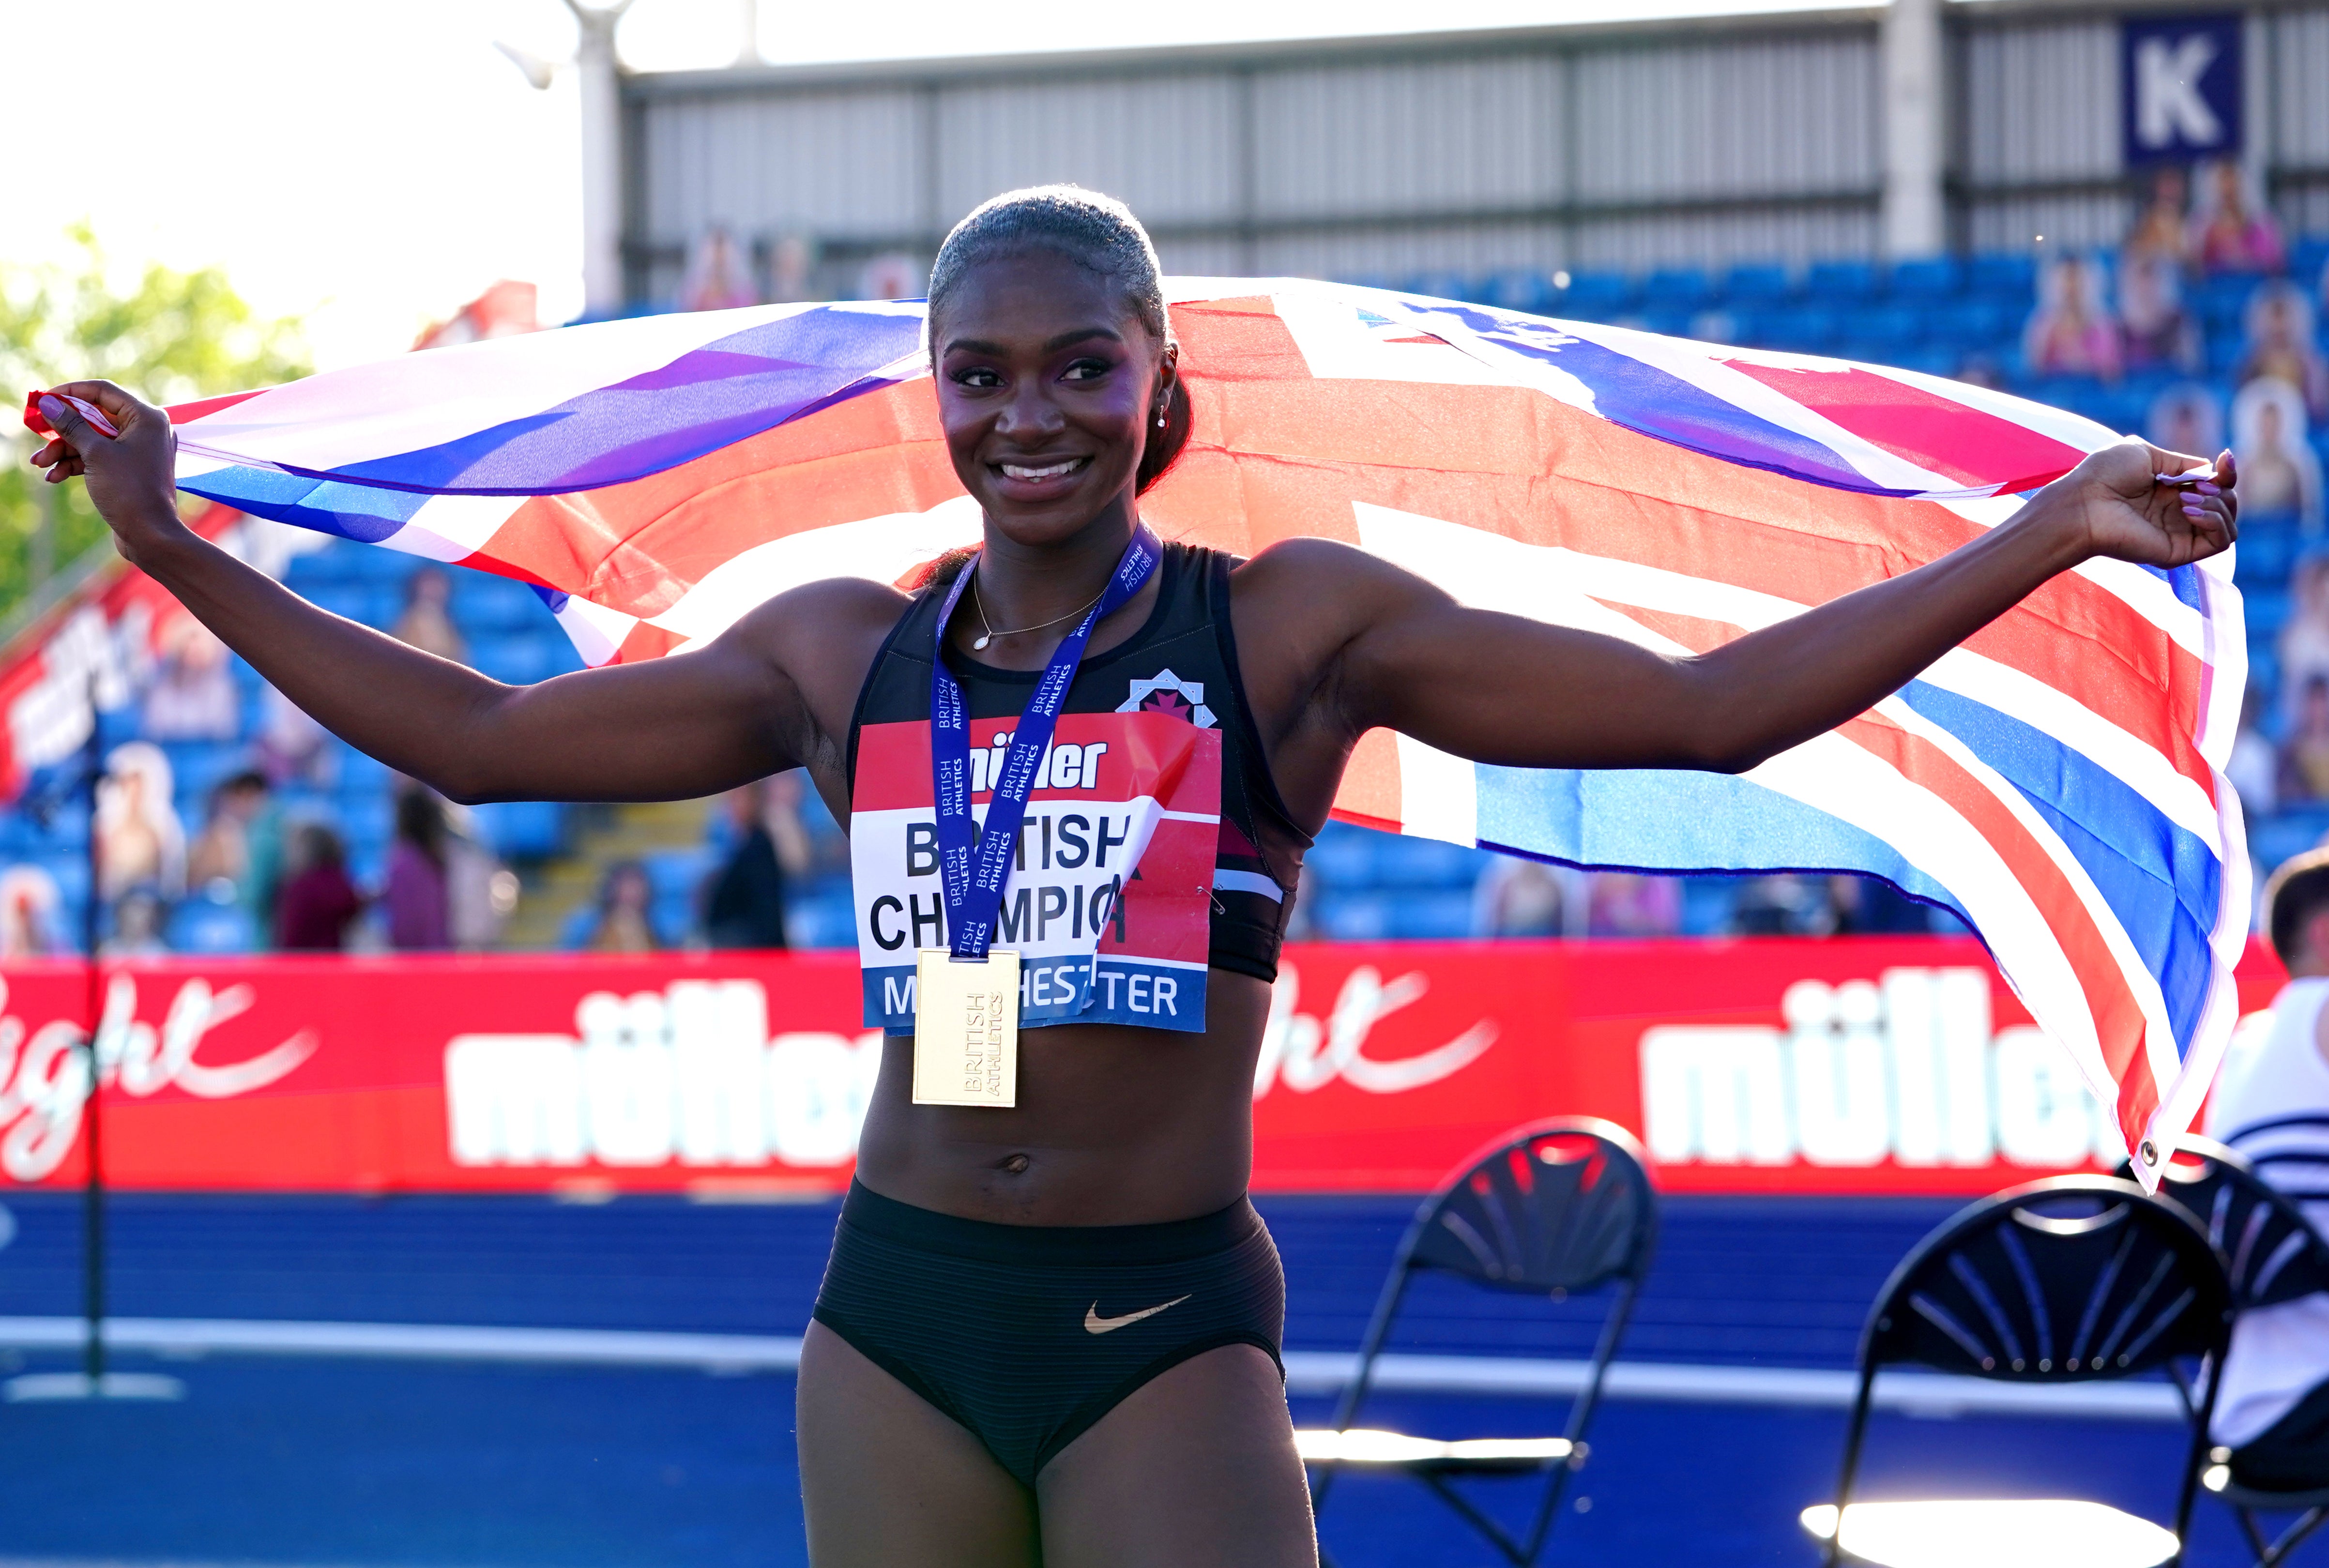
(2270, 1252)
(2057, 1281)
(1562, 1205)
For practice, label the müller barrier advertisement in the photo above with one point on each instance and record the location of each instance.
(1873, 1065)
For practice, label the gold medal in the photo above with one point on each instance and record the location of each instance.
(967, 1028)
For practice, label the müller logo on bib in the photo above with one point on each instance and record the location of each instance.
(1110, 889)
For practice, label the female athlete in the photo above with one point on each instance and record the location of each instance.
(1049, 1333)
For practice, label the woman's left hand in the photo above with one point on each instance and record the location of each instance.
(2118, 506)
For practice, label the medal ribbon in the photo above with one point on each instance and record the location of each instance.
(971, 879)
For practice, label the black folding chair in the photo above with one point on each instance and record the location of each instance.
(2272, 1254)
(1554, 1209)
(2063, 1281)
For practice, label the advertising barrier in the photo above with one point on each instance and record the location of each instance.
(1850, 1065)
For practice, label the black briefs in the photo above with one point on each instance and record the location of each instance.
(1027, 1334)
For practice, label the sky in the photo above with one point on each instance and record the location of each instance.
(372, 164)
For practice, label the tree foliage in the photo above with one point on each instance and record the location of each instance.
(172, 336)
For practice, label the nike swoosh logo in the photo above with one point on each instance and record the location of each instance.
(1096, 1324)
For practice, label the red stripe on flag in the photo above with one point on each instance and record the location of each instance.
(187, 413)
(2119, 1023)
(1966, 444)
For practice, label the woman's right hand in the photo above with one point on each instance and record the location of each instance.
(132, 477)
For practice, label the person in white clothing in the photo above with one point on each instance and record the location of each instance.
(2271, 1103)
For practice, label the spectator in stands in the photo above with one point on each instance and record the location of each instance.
(419, 912)
(2304, 639)
(221, 853)
(2254, 768)
(193, 697)
(2236, 233)
(1865, 906)
(625, 925)
(2163, 229)
(1527, 897)
(240, 850)
(744, 899)
(2305, 756)
(427, 622)
(292, 748)
(2071, 331)
(2281, 344)
(1786, 905)
(2154, 326)
(2184, 413)
(32, 914)
(718, 274)
(137, 927)
(1624, 904)
(317, 904)
(140, 841)
(2280, 477)
(480, 891)
(2271, 1103)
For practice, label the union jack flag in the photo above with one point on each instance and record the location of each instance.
(2056, 781)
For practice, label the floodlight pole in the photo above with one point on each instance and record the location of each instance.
(93, 1185)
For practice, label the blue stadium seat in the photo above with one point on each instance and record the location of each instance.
(2007, 274)
(371, 605)
(1808, 329)
(1442, 916)
(821, 920)
(2267, 551)
(1518, 288)
(69, 871)
(1894, 327)
(2267, 613)
(1659, 319)
(1425, 862)
(2223, 304)
(1355, 917)
(1757, 283)
(1931, 361)
(485, 603)
(197, 766)
(1973, 323)
(200, 926)
(1682, 288)
(2308, 254)
(1840, 282)
(523, 829)
(520, 660)
(1596, 295)
(679, 871)
(1927, 279)
(2274, 839)
(673, 914)
(1344, 855)
(1441, 285)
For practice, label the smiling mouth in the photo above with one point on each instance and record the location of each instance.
(1037, 474)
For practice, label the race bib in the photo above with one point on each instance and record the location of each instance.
(1109, 898)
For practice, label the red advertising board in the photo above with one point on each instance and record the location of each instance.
(1842, 1066)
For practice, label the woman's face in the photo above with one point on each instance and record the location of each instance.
(1047, 386)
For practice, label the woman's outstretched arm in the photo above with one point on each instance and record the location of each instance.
(672, 728)
(1397, 652)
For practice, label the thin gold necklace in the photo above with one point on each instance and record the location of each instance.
(980, 605)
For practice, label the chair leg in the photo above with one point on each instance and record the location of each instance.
(1497, 1535)
(2294, 1538)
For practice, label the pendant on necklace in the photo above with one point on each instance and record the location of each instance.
(977, 643)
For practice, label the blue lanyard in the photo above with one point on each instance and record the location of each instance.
(974, 891)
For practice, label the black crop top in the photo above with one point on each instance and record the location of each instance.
(1182, 663)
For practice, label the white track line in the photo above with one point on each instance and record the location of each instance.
(1307, 1371)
